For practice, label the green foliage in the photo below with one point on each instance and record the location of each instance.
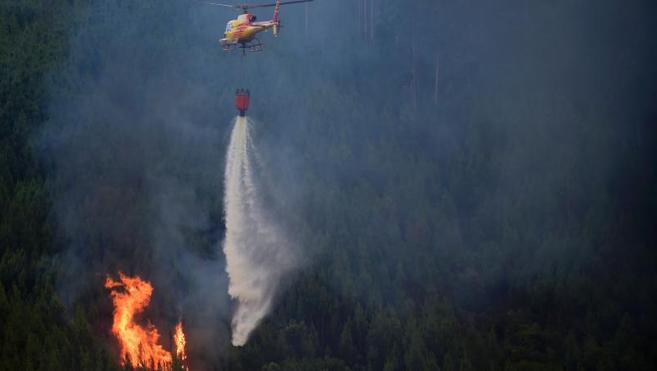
(434, 247)
(34, 331)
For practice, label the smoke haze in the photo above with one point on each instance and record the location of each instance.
(475, 149)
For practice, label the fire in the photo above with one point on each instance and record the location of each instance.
(179, 340)
(139, 344)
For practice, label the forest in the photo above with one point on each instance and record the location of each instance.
(469, 185)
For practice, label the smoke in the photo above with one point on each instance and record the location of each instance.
(138, 125)
(130, 152)
(257, 252)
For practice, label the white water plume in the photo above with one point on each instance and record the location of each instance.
(257, 253)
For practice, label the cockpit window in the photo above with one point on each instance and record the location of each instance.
(228, 27)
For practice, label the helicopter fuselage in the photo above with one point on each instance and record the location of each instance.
(244, 29)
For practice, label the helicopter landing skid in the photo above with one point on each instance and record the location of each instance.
(254, 46)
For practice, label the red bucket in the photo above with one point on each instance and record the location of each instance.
(242, 100)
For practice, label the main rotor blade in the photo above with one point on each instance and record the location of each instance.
(249, 6)
(224, 5)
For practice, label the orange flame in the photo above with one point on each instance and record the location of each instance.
(130, 296)
(180, 342)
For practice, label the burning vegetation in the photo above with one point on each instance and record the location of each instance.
(180, 342)
(139, 344)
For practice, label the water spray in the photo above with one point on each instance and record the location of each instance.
(258, 254)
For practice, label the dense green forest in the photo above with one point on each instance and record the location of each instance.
(472, 191)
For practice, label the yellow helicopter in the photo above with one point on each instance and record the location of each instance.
(241, 32)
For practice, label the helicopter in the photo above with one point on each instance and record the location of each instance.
(241, 32)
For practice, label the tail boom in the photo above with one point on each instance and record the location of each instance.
(276, 19)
